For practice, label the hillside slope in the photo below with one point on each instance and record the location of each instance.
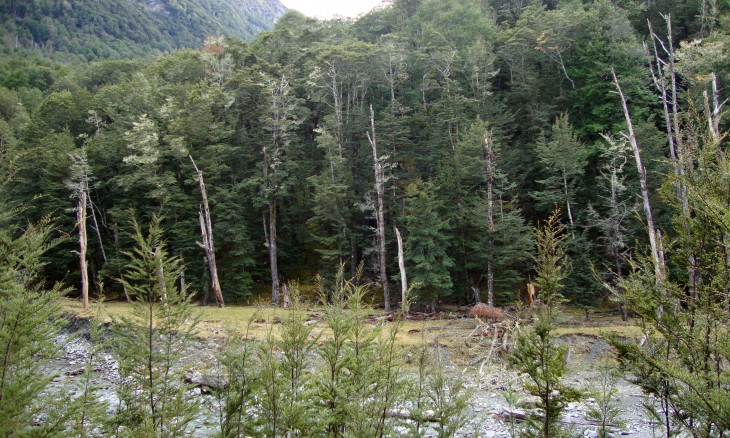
(99, 29)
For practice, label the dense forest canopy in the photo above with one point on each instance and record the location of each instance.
(487, 116)
(88, 30)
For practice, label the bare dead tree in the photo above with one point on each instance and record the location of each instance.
(206, 230)
(665, 71)
(380, 211)
(78, 183)
(631, 137)
(713, 112)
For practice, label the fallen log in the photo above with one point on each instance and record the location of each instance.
(206, 385)
(511, 415)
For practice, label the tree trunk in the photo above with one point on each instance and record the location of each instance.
(81, 219)
(713, 115)
(273, 257)
(658, 266)
(206, 230)
(402, 267)
(380, 212)
(489, 162)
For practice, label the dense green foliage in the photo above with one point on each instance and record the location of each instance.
(536, 354)
(278, 127)
(91, 30)
(350, 381)
(29, 322)
(683, 359)
(151, 343)
(489, 115)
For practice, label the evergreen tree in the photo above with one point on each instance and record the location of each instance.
(565, 159)
(536, 353)
(426, 244)
(30, 319)
(683, 359)
(151, 343)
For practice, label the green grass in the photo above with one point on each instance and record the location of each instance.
(216, 321)
(628, 331)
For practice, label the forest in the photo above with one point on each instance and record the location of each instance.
(476, 147)
(86, 30)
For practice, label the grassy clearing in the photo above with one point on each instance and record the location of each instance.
(628, 331)
(448, 332)
(215, 321)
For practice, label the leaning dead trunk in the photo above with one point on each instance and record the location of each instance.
(206, 231)
(658, 264)
(380, 212)
(81, 219)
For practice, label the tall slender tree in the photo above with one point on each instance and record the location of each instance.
(379, 210)
(280, 121)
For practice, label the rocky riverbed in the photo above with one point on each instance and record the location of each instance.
(488, 413)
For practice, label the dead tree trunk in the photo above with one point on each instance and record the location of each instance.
(81, 219)
(206, 231)
(674, 136)
(489, 163)
(713, 115)
(380, 212)
(402, 267)
(658, 265)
